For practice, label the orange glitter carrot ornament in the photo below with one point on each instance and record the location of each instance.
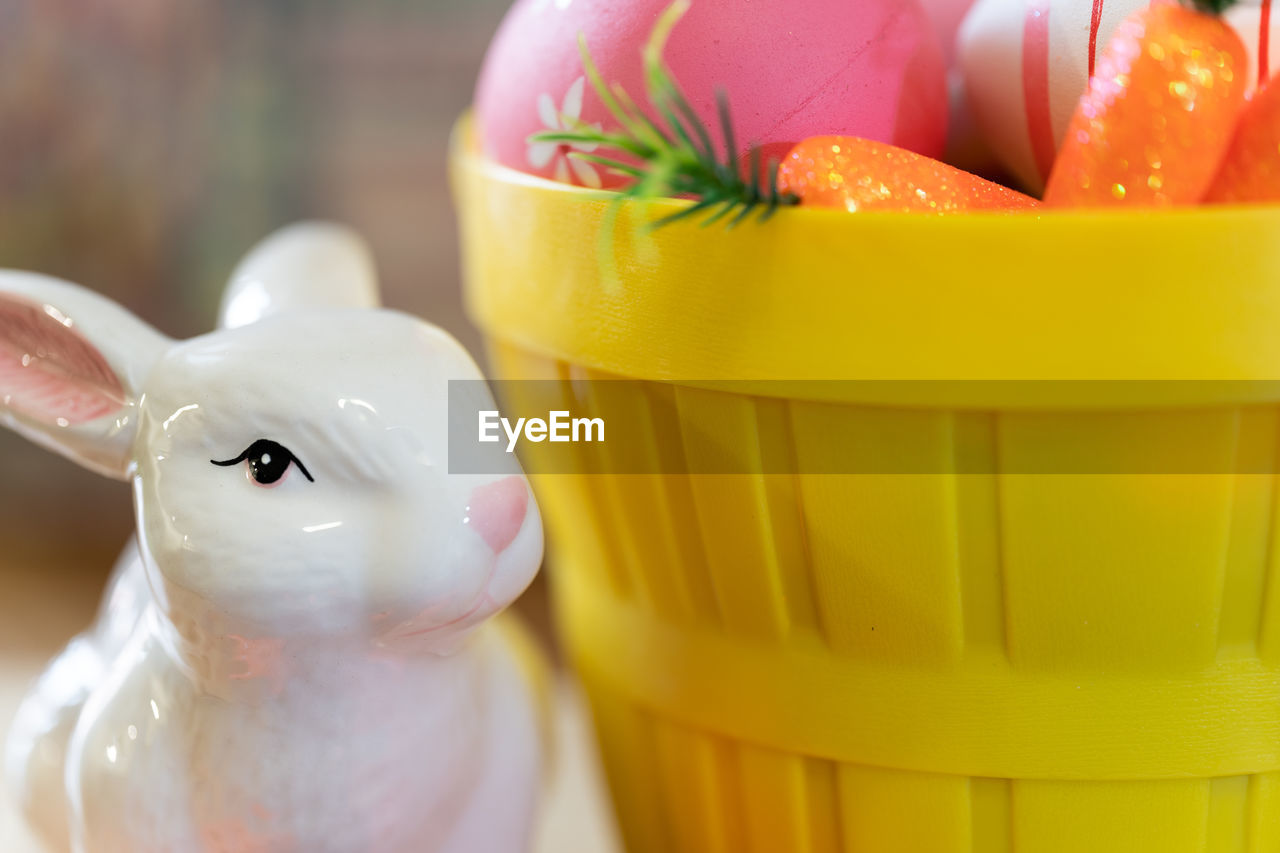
(856, 174)
(1251, 168)
(1150, 130)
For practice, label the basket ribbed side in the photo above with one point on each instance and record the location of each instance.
(1056, 572)
(1114, 577)
(683, 790)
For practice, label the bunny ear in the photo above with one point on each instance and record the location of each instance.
(308, 265)
(49, 373)
(71, 368)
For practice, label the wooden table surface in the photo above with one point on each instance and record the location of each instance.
(41, 609)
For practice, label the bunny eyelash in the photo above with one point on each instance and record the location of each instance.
(249, 451)
(358, 446)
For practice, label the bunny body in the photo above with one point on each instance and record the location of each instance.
(352, 753)
(296, 656)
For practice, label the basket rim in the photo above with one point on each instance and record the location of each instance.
(1186, 294)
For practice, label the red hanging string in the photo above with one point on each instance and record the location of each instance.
(1264, 43)
(1094, 23)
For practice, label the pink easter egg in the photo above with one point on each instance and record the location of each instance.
(791, 68)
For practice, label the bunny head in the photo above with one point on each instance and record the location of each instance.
(290, 470)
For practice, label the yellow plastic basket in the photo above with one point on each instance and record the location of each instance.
(939, 662)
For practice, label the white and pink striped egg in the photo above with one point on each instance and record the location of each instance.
(1025, 64)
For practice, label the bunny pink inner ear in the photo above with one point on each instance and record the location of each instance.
(50, 373)
(496, 511)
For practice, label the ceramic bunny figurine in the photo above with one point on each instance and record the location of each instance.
(295, 655)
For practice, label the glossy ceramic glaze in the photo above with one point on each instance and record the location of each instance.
(294, 656)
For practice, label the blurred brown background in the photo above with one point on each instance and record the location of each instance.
(146, 144)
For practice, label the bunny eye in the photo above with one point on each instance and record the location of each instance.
(268, 461)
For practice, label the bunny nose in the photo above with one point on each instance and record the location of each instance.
(497, 510)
